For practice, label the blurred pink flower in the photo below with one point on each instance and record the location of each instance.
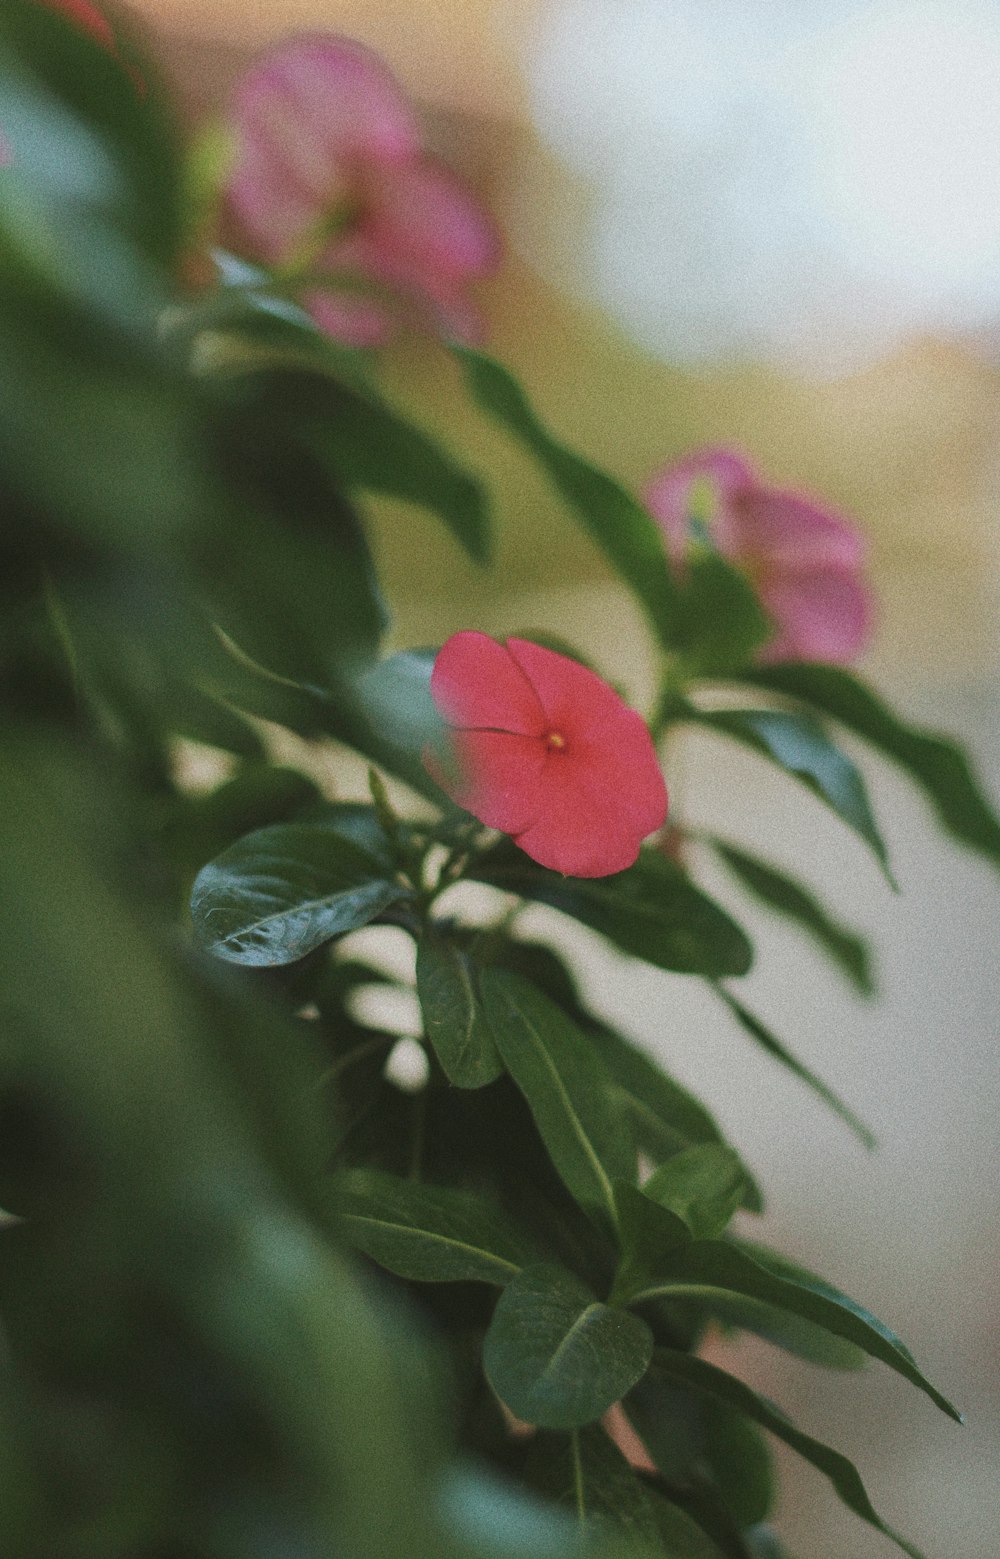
(330, 178)
(805, 562)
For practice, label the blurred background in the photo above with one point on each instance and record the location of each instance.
(773, 224)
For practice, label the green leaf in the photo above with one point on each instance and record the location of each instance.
(692, 1437)
(665, 1117)
(701, 1269)
(652, 910)
(938, 766)
(719, 1386)
(558, 1357)
(565, 1088)
(617, 522)
(703, 1185)
(799, 745)
(281, 892)
(429, 1234)
(788, 1332)
(369, 447)
(790, 899)
(774, 1047)
(587, 1473)
(720, 622)
(453, 1014)
(647, 1233)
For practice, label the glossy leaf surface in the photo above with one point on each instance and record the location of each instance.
(281, 892)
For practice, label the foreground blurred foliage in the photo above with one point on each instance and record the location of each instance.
(248, 1281)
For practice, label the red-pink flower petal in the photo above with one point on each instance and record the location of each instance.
(578, 785)
(596, 809)
(497, 776)
(822, 615)
(476, 682)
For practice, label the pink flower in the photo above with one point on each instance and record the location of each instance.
(805, 562)
(330, 178)
(543, 749)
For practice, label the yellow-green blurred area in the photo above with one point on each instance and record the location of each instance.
(901, 433)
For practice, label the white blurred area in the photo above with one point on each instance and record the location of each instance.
(804, 182)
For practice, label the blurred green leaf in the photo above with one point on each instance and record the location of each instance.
(757, 1030)
(693, 1437)
(587, 1474)
(369, 447)
(557, 1356)
(938, 765)
(617, 522)
(799, 745)
(665, 1117)
(707, 1265)
(429, 1234)
(651, 911)
(453, 1014)
(719, 622)
(716, 1384)
(281, 892)
(788, 1332)
(703, 1185)
(565, 1088)
(791, 900)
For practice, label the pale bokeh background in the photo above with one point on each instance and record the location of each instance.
(681, 272)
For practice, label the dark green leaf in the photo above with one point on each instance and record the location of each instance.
(698, 1270)
(719, 623)
(692, 1437)
(651, 911)
(665, 1117)
(588, 1474)
(774, 1047)
(429, 1234)
(647, 1233)
(703, 1185)
(702, 1377)
(800, 746)
(369, 447)
(281, 892)
(565, 1089)
(453, 1015)
(938, 765)
(557, 1356)
(618, 523)
(790, 899)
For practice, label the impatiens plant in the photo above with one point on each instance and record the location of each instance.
(278, 1276)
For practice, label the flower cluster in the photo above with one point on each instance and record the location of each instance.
(331, 186)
